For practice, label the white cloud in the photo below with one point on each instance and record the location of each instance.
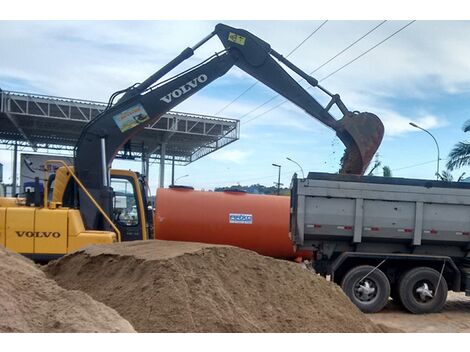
(396, 124)
(231, 156)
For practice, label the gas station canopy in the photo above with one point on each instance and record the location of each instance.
(55, 123)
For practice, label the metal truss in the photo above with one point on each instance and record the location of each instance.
(188, 137)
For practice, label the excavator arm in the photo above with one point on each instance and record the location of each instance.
(145, 103)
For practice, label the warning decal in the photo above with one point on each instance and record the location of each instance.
(131, 117)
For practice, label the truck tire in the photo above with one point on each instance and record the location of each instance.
(367, 288)
(417, 289)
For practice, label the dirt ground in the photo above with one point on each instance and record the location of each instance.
(32, 303)
(162, 286)
(455, 317)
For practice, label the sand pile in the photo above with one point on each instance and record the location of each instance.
(162, 286)
(30, 302)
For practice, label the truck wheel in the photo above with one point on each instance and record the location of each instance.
(367, 288)
(417, 289)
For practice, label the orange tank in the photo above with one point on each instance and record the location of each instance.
(256, 222)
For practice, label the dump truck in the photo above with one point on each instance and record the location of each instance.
(381, 236)
(89, 202)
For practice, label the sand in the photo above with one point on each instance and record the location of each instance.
(164, 286)
(454, 317)
(30, 302)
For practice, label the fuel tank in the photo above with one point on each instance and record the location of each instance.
(256, 222)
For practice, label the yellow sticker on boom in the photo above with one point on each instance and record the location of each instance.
(233, 37)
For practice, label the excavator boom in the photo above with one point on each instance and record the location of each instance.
(147, 102)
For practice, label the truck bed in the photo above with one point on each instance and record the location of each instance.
(383, 214)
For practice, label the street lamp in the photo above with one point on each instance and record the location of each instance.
(295, 162)
(435, 141)
(278, 178)
(180, 178)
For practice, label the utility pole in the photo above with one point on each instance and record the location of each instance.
(278, 179)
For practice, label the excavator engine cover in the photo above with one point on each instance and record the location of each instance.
(362, 134)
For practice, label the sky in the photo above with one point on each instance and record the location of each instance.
(420, 75)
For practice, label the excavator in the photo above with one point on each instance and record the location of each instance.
(91, 203)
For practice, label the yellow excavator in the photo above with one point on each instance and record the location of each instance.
(91, 203)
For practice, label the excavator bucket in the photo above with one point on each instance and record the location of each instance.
(362, 134)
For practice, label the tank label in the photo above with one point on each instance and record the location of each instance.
(241, 218)
(131, 117)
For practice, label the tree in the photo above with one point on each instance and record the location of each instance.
(446, 176)
(387, 172)
(460, 155)
(377, 163)
(255, 189)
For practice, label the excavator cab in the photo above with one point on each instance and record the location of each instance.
(131, 212)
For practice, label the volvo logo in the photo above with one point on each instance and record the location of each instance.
(177, 93)
(38, 234)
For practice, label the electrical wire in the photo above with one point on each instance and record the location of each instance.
(256, 82)
(158, 84)
(348, 47)
(416, 165)
(336, 71)
(368, 50)
(318, 68)
(315, 70)
(254, 179)
(291, 171)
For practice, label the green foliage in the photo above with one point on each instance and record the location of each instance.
(377, 163)
(387, 172)
(255, 189)
(446, 176)
(459, 156)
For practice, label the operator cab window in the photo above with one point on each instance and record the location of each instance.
(124, 202)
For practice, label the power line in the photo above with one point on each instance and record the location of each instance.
(307, 38)
(369, 50)
(284, 172)
(256, 82)
(416, 165)
(315, 70)
(319, 67)
(336, 71)
(348, 47)
(258, 107)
